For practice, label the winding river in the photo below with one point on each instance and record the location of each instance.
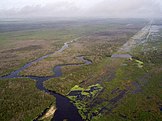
(65, 109)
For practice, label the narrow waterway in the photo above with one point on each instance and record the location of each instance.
(65, 109)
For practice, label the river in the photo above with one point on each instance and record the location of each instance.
(65, 109)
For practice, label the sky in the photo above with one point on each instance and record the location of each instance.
(81, 8)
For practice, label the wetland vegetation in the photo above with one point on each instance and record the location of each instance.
(110, 70)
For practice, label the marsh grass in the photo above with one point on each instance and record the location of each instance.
(21, 100)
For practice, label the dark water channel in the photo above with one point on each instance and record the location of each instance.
(65, 109)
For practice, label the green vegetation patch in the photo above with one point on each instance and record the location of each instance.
(76, 87)
(91, 91)
(139, 63)
(80, 97)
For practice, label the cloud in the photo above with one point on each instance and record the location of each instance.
(127, 8)
(101, 8)
(58, 9)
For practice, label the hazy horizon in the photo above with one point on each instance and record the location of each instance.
(81, 9)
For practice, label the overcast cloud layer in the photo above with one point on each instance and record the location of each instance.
(80, 8)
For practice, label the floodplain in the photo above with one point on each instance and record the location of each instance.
(104, 69)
